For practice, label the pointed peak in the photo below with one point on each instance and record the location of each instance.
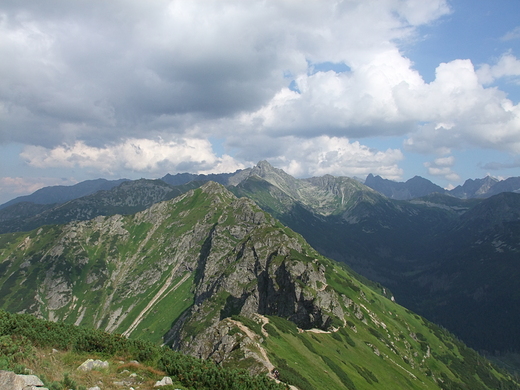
(264, 164)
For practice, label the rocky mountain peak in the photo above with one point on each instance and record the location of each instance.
(474, 188)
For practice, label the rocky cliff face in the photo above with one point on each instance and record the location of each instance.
(216, 277)
(248, 267)
(207, 238)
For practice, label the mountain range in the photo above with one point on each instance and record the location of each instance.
(417, 187)
(214, 276)
(452, 260)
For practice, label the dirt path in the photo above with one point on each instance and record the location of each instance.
(254, 337)
(160, 294)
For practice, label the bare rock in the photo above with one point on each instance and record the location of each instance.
(90, 364)
(11, 381)
(164, 382)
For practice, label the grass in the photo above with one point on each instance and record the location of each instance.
(164, 313)
(54, 366)
(387, 349)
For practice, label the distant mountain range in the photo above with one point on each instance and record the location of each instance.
(448, 255)
(214, 276)
(61, 194)
(417, 187)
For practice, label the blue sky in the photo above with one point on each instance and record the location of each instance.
(139, 89)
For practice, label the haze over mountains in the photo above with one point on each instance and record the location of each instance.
(452, 258)
(418, 186)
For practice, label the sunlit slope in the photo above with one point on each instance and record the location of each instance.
(215, 277)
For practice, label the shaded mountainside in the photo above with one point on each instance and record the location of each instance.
(62, 194)
(417, 187)
(477, 188)
(127, 198)
(216, 277)
(450, 259)
(472, 286)
(436, 253)
(376, 236)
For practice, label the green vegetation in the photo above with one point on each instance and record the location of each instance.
(21, 335)
(342, 375)
(196, 262)
(253, 325)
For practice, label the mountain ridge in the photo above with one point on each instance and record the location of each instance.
(221, 279)
(413, 188)
(416, 248)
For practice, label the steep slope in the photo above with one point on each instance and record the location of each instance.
(452, 260)
(472, 286)
(219, 278)
(511, 184)
(477, 188)
(380, 238)
(423, 250)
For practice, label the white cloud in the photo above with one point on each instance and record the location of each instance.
(136, 155)
(96, 84)
(458, 111)
(337, 156)
(387, 97)
(444, 161)
(443, 167)
(511, 35)
(508, 65)
(105, 71)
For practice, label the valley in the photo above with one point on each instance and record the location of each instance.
(207, 271)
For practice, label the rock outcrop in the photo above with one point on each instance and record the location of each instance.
(90, 364)
(11, 381)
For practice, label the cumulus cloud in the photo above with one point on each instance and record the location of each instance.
(387, 97)
(508, 65)
(135, 155)
(443, 167)
(337, 156)
(108, 70)
(141, 86)
(458, 111)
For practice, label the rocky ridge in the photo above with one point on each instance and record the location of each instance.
(216, 277)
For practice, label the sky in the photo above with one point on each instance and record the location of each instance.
(138, 89)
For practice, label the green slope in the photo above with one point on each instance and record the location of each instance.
(216, 277)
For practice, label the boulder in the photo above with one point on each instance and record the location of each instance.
(90, 364)
(164, 382)
(11, 381)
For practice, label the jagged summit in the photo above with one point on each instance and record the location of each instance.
(413, 188)
(474, 188)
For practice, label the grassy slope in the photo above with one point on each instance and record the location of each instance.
(53, 351)
(406, 352)
(390, 346)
